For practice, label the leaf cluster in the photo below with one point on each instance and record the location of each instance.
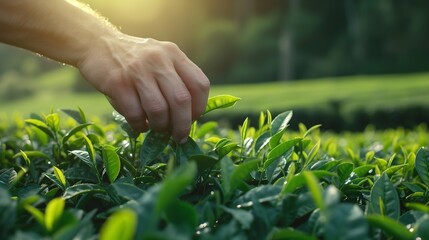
(65, 177)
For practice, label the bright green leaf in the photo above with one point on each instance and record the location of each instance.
(392, 227)
(120, 225)
(60, 176)
(53, 212)
(221, 101)
(111, 161)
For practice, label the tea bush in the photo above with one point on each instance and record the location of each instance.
(65, 177)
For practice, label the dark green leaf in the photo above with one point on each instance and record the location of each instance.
(384, 199)
(174, 185)
(422, 165)
(291, 234)
(280, 150)
(154, 143)
(80, 189)
(245, 218)
(347, 222)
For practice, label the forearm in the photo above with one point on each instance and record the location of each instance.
(61, 30)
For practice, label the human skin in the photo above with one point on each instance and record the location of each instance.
(153, 84)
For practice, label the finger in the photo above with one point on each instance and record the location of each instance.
(179, 100)
(197, 83)
(128, 104)
(154, 104)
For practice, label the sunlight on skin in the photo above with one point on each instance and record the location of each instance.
(129, 10)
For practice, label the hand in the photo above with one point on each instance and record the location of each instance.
(151, 83)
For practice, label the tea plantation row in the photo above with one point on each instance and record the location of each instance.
(65, 177)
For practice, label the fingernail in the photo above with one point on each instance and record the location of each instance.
(183, 141)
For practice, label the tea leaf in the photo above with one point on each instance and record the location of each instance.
(280, 150)
(74, 130)
(84, 188)
(220, 101)
(111, 162)
(390, 226)
(347, 222)
(383, 192)
(60, 176)
(422, 165)
(280, 122)
(53, 212)
(174, 184)
(120, 225)
(41, 125)
(154, 143)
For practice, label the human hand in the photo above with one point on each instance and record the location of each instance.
(153, 84)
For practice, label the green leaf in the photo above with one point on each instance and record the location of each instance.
(422, 226)
(291, 234)
(111, 162)
(36, 213)
(60, 176)
(315, 189)
(346, 222)
(220, 101)
(24, 155)
(154, 143)
(299, 180)
(174, 185)
(41, 125)
(392, 227)
(78, 116)
(243, 130)
(53, 212)
(245, 218)
(184, 216)
(120, 225)
(344, 170)
(90, 150)
(203, 162)
(84, 157)
(53, 121)
(32, 154)
(241, 172)
(384, 199)
(313, 153)
(280, 150)
(84, 188)
(74, 130)
(280, 122)
(311, 130)
(422, 165)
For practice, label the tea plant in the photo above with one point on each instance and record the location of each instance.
(67, 178)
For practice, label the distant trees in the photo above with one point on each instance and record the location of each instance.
(251, 41)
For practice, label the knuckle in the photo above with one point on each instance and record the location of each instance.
(182, 98)
(203, 84)
(156, 110)
(171, 46)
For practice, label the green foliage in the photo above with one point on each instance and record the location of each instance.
(64, 177)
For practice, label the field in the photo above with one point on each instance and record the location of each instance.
(64, 177)
(52, 90)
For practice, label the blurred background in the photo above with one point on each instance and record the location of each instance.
(342, 63)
